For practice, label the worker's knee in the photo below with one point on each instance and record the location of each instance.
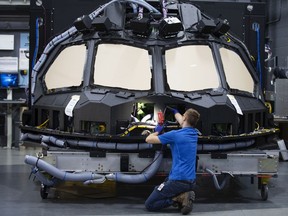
(149, 206)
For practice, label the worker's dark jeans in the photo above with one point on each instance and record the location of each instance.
(162, 198)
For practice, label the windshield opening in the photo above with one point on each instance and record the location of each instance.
(122, 66)
(236, 72)
(191, 68)
(67, 69)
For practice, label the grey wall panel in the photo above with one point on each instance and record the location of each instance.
(281, 101)
(278, 29)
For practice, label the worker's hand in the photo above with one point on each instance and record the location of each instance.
(173, 110)
(159, 128)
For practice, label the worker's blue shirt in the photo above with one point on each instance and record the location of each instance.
(183, 145)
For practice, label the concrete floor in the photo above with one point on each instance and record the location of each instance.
(21, 196)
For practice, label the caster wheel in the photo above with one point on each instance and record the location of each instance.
(44, 191)
(264, 192)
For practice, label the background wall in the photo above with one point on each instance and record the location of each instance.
(277, 38)
(277, 30)
(14, 20)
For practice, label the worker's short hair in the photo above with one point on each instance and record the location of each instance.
(192, 116)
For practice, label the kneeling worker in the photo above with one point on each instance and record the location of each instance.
(177, 189)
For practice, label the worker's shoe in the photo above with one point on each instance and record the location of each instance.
(185, 202)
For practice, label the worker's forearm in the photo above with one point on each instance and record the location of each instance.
(153, 138)
(179, 118)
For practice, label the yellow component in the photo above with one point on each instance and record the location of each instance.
(252, 58)
(269, 106)
(136, 126)
(128, 130)
(265, 180)
(227, 38)
(43, 124)
(258, 126)
(101, 128)
(145, 126)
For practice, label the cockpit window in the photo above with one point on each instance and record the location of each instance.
(237, 74)
(122, 66)
(67, 68)
(191, 68)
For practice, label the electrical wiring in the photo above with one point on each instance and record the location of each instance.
(43, 124)
(259, 68)
(133, 127)
(235, 39)
(36, 42)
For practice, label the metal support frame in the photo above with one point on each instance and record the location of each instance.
(239, 163)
